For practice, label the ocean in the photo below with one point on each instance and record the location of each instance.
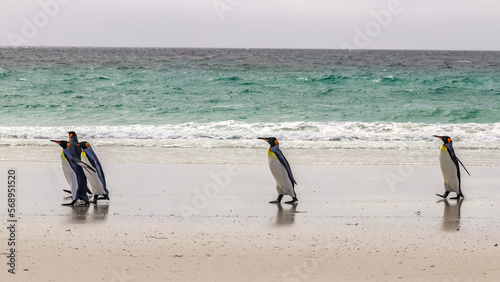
(355, 102)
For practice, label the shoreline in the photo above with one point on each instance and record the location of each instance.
(172, 155)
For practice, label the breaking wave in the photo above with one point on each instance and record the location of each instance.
(327, 135)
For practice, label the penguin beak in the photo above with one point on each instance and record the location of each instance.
(438, 137)
(56, 142)
(265, 139)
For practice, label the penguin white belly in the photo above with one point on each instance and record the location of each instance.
(449, 171)
(283, 183)
(70, 175)
(93, 177)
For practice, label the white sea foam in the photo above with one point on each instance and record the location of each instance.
(330, 135)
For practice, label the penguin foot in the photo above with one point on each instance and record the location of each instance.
(293, 202)
(277, 201)
(445, 195)
(104, 197)
(67, 191)
(70, 204)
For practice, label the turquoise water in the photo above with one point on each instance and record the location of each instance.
(228, 94)
(55, 87)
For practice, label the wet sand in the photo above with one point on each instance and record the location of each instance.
(213, 222)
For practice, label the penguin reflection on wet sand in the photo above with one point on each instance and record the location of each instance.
(285, 183)
(451, 215)
(73, 171)
(96, 179)
(450, 168)
(79, 214)
(285, 216)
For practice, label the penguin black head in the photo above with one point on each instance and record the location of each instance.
(271, 140)
(445, 139)
(64, 144)
(84, 145)
(72, 136)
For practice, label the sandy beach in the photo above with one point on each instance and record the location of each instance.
(213, 222)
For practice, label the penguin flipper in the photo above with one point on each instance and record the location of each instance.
(455, 159)
(284, 162)
(85, 166)
(90, 157)
(463, 165)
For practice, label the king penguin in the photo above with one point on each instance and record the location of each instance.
(96, 179)
(450, 168)
(73, 140)
(73, 171)
(285, 183)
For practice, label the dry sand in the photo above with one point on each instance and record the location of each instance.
(175, 222)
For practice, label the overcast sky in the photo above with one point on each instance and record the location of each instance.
(330, 24)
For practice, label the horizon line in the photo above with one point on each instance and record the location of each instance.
(250, 48)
